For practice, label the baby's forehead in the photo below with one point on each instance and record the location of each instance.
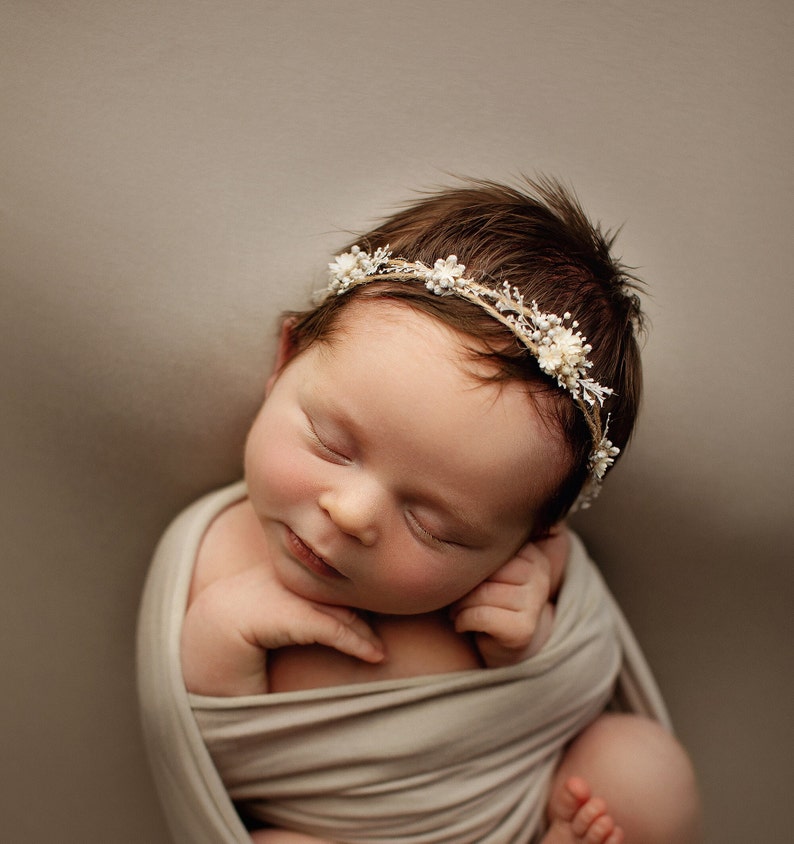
(365, 318)
(395, 365)
(365, 314)
(414, 342)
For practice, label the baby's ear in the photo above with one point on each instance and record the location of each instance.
(556, 546)
(557, 528)
(287, 349)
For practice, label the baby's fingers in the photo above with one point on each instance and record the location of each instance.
(513, 630)
(344, 630)
(520, 584)
(530, 561)
(556, 546)
(502, 596)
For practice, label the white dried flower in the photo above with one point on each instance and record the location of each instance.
(347, 268)
(447, 272)
(351, 267)
(602, 457)
(549, 357)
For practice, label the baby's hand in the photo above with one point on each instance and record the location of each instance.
(234, 621)
(511, 613)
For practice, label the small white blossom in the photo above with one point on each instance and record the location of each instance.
(448, 271)
(602, 457)
(349, 268)
(570, 345)
(549, 357)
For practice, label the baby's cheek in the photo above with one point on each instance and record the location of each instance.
(426, 588)
(282, 475)
(274, 465)
(457, 579)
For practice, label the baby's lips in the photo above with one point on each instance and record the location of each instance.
(309, 558)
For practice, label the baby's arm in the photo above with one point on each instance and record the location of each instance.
(235, 620)
(511, 613)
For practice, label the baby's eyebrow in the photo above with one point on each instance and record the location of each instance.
(332, 415)
(337, 415)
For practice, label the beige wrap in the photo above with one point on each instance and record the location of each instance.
(461, 757)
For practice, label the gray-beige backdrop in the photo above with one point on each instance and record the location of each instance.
(174, 173)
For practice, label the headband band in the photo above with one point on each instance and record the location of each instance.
(560, 350)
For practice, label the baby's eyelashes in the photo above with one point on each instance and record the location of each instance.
(325, 449)
(427, 535)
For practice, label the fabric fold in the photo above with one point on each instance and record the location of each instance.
(460, 757)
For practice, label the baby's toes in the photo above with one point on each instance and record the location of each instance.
(590, 812)
(599, 830)
(567, 801)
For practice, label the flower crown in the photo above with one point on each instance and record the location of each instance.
(560, 350)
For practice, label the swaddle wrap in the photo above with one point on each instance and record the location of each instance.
(460, 757)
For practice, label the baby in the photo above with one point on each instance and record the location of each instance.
(469, 374)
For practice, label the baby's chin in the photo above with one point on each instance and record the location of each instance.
(383, 608)
(342, 593)
(401, 609)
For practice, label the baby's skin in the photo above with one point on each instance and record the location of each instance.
(358, 512)
(577, 817)
(366, 550)
(523, 589)
(622, 767)
(432, 643)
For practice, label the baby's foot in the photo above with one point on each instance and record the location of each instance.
(579, 818)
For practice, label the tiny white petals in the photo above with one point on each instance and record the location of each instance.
(602, 457)
(350, 268)
(446, 273)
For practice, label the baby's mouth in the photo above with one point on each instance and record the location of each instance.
(305, 555)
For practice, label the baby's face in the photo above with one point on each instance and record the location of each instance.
(385, 475)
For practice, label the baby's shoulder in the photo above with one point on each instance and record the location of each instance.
(233, 542)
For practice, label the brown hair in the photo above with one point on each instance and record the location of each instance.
(539, 239)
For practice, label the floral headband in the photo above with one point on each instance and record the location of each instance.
(561, 351)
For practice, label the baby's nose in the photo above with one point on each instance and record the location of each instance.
(354, 510)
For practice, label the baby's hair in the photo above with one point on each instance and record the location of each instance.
(538, 238)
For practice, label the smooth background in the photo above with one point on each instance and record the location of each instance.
(173, 174)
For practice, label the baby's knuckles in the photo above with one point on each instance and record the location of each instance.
(512, 631)
(512, 610)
